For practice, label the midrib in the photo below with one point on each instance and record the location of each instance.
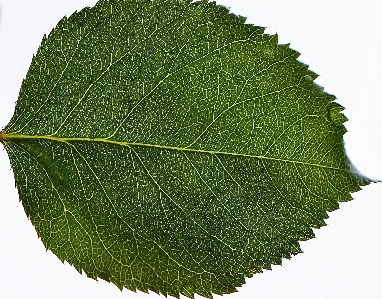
(9, 137)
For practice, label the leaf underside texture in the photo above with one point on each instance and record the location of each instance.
(168, 146)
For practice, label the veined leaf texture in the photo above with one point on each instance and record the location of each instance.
(42, 158)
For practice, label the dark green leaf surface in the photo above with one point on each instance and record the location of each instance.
(167, 146)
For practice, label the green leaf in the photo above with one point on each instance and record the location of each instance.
(168, 146)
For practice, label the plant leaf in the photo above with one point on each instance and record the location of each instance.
(168, 146)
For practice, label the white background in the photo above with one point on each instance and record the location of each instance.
(341, 41)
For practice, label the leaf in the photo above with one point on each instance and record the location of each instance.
(178, 155)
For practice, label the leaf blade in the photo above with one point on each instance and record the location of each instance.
(213, 144)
